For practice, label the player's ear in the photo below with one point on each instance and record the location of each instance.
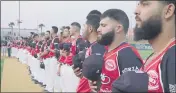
(169, 10)
(118, 28)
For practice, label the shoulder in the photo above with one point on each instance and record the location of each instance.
(169, 56)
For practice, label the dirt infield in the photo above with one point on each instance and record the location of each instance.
(15, 78)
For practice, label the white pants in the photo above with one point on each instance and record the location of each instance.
(29, 59)
(46, 62)
(21, 55)
(13, 52)
(36, 69)
(57, 82)
(52, 70)
(17, 50)
(18, 53)
(24, 61)
(69, 81)
(42, 75)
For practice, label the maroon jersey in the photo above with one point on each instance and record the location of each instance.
(45, 47)
(118, 61)
(37, 48)
(75, 44)
(55, 40)
(161, 70)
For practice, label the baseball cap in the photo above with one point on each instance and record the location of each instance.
(81, 46)
(131, 81)
(67, 46)
(92, 66)
(78, 59)
(61, 46)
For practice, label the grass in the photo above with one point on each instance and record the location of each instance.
(2, 63)
(145, 53)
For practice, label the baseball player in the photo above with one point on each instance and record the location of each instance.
(90, 33)
(51, 67)
(120, 57)
(59, 80)
(45, 57)
(160, 65)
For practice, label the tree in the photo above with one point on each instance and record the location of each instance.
(11, 24)
(41, 26)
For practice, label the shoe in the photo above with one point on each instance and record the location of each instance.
(44, 86)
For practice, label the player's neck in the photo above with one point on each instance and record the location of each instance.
(93, 37)
(116, 43)
(54, 35)
(76, 35)
(162, 40)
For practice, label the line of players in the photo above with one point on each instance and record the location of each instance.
(103, 50)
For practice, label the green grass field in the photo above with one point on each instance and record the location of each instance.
(145, 53)
(2, 63)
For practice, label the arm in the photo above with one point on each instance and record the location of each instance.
(168, 71)
(59, 70)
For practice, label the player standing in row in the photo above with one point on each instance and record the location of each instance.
(120, 56)
(155, 22)
(90, 34)
(52, 64)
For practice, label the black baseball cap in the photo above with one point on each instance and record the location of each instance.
(67, 46)
(61, 46)
(78, 59)
(131, 81)
(92, 66)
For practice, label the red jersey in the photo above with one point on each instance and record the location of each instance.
(74, 45)
(45, 47)
(67, 59)
(155, 71)
(55, 40)
(61, 59)
(116, 62)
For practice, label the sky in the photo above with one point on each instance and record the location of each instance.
(58, 13)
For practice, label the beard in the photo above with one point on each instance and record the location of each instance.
(107, 38)
(149, 29)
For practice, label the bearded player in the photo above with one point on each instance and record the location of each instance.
(120, 56)
(155, 22)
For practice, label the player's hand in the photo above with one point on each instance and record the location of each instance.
(93, 86)
(65, 53)
(38, 57)
(58, 72)
(78, 72)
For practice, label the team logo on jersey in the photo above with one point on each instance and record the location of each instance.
(110, 65)
(105, 79)
(153, 80)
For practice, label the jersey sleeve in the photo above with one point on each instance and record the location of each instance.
(168, 71)
(128, 60)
